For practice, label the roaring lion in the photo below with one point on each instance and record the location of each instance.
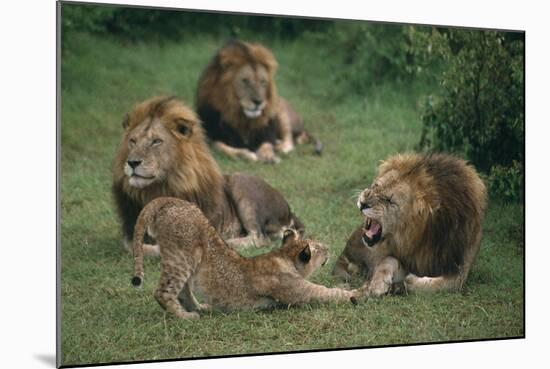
(243, 115)
(163, 153)
(423, 223)
(195, 259)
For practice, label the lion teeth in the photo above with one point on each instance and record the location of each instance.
(369, 221)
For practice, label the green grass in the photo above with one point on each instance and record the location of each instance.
(104, 319)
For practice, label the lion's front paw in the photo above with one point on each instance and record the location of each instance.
(205, 307)
(285, 147)
(270, 159)
(266, 154)
(414, 283)
(188, 315)
(249, 155)
(379, 288)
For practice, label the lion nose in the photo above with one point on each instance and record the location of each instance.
(257, 101)
(134, 163)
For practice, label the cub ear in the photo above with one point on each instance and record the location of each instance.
(305, 254)
(126, 121)
(289, 234)
(183, 128)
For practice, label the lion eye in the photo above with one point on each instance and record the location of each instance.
(263, 82)
(156, 142)
(246, 81)
(388, 199)
(132, 142)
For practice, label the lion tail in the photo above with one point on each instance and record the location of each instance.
(318, 145)
(306, 137)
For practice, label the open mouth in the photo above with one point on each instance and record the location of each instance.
(372, 232)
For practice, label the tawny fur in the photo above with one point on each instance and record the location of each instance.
(239, 74)
(165, 142)
(430, 208)
(194, 258)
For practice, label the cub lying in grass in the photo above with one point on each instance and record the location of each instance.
(195, 258)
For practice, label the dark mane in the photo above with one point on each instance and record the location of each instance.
(451, 225)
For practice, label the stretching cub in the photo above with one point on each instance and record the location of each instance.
(195, 258)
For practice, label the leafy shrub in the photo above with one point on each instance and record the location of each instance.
(506, 183)
(148, 23)
(480, 110)
(373, 53)
(90, 18)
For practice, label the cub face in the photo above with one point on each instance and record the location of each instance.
(307, 255)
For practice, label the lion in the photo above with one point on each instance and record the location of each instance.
(243, 115)
(163, 153)
(194, 258)
(422, 225)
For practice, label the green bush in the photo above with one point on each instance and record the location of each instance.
(480, 110)
(506, 183)
(89, 18)
(135, 24)
(373, 53)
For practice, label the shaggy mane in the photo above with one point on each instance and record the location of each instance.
(450, 200)
(216, 90)
(197, 177)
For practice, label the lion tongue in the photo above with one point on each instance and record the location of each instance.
(373, 229)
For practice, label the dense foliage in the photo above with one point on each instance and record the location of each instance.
(157, 24)
(375, 52)
(479, 112)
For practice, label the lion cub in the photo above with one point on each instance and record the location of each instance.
(195, 258)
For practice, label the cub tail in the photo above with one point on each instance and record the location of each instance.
(139, 233)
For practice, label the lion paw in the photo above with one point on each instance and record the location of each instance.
(285, 147)
(379, 288)
(270, 159)
(205, 307)
(249, 155)
(266, 154)
(188, 315)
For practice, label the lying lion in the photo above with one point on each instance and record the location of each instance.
(195, 258)
(423, 217)
(243, 115)
(163, 153)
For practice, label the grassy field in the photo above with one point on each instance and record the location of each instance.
(104, 319)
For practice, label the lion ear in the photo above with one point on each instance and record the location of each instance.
(226, 58)
(289, 235)
(271, 63)
(183, 128)
(305, 254)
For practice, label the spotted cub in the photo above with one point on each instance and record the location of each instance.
(194, 258)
